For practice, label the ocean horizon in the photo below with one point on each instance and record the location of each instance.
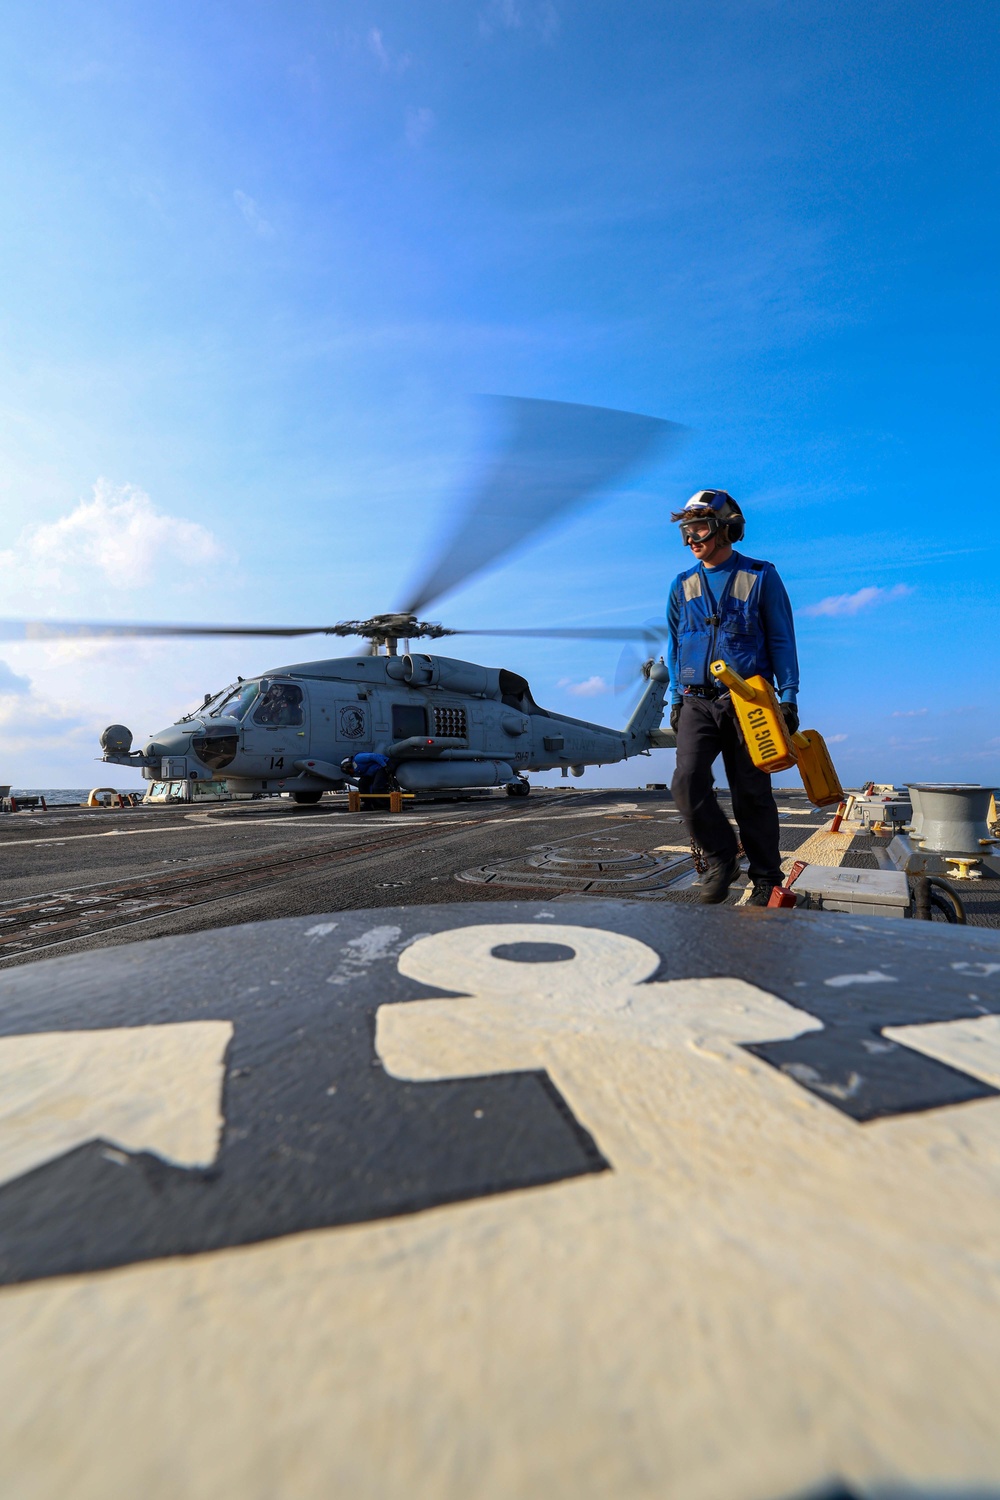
(61, 796)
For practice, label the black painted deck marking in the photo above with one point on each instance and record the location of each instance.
(860, 1072)
(317, 1135)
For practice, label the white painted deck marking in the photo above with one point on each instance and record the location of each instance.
(971, 1046)
(188, 826)
(584, 1020)
(761, 1294)
(143, 1088)
(371, 820)
(192, 824)
(870, 976)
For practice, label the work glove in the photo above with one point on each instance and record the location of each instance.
(675, 716)
(790, 714)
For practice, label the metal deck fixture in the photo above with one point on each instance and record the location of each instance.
(884, 805)
(590, 864)
(952, 819)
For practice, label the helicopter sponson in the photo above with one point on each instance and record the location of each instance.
(446, 724)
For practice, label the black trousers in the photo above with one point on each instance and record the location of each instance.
(378, 781)
(374, 781)
(707, 729)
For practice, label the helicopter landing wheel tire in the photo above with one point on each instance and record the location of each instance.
(307, 799)
(518, 789)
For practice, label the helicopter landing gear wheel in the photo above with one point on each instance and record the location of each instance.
(307, 799)
(518, 788)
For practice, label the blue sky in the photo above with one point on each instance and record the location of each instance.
(257, 260)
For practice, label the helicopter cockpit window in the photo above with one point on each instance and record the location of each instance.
(280, 705)
(235, 704)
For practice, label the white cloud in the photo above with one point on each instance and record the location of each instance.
(11, 685)
(836, 605)
(114, 554)
(385, 59)
(25, 725)
(835, 739)
(908, 713)
(419, 124)
(248, 208)
(117, 538)
(27, 719)
(591, 687)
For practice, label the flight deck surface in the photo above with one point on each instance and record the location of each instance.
(506, 1199)
(409, 1160)
(76, 879)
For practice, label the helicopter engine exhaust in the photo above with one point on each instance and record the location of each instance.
(423, 670)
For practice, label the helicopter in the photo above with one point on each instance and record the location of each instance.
(446, 724)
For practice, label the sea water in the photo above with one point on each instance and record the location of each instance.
(61, 796)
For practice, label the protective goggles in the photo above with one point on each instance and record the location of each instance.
(699, 529)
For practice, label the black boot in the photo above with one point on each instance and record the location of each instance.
(716, 882)
(761, 893)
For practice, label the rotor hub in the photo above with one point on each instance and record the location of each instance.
(389, 628)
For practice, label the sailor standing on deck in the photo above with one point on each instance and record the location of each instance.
(733, 608)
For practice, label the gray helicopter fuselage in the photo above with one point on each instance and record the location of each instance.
(446, 723)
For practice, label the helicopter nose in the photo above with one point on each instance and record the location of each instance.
(173, 741)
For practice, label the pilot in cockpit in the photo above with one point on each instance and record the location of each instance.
(280, 705)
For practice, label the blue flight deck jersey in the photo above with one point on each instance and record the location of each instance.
(753, 625)
(367, 762)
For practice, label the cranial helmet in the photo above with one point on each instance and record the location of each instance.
(718, 508)
(347, 765)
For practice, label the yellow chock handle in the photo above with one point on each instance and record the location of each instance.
(733, 681)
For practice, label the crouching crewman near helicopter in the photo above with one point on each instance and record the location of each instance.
(372, 772)
(733, 608)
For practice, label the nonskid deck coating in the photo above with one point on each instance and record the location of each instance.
(76, 879)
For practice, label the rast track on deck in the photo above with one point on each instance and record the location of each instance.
(60, 917)
(354, 862)
(75, 880)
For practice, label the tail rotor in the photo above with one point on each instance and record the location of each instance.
(630, 679)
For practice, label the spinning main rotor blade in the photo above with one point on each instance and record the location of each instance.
(583, 633)
(55, 630)
(556, 456)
